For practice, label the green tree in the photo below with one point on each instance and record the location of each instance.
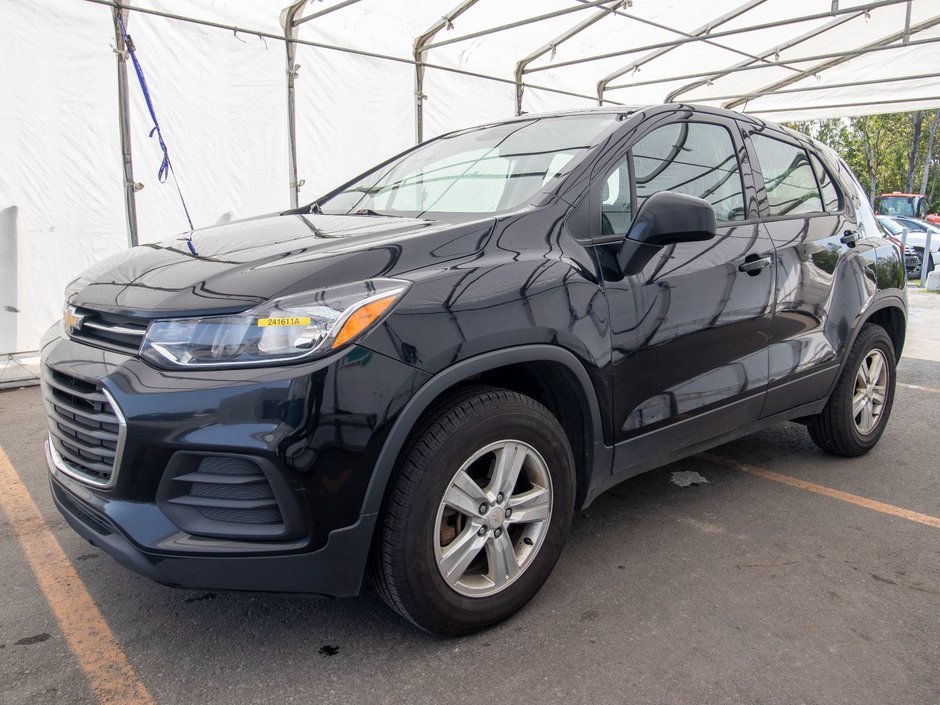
(887, 152)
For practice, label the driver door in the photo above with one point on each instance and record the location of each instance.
(690, 331)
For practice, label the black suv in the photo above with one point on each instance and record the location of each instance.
(423, 374)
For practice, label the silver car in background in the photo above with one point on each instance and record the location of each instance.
(913, 233)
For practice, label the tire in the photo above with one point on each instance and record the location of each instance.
(837, 429)
(418, 526)
(926, 267)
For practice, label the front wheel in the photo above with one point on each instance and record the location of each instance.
(478, 512)
(857, 412)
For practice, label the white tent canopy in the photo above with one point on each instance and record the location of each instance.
(364, 77)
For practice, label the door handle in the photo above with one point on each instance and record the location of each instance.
(850, 237)
(753, 267)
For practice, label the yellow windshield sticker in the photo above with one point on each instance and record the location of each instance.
(289, 321)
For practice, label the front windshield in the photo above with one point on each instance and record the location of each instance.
(479, 171)
(897, 205)
(891, 226)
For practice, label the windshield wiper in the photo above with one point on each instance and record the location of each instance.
(369, 211)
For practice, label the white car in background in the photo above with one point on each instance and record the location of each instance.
(915, 241)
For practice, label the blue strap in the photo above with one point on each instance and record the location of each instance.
(166, 167)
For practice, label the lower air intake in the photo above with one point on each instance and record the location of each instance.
(222, 497)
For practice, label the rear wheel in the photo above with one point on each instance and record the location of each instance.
(478, 512)
(857, 412)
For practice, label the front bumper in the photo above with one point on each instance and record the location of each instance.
(315, 428)
(335, 570)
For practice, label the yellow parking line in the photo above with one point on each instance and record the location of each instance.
(918, 387)
(107, 669)
(823, 490)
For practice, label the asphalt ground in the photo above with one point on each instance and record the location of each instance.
(787, 576)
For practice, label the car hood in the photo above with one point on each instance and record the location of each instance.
(232, 267)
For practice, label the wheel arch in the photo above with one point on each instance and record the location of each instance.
(890, 313)
(557, 374)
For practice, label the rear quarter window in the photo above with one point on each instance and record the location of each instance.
(867, 223)
(827, 187)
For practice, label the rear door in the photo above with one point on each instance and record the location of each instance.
(689, 332)
(825, 265)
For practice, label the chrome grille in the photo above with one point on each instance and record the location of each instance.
(110, 330)
(85, 429)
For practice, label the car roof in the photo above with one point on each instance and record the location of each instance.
(630, 110)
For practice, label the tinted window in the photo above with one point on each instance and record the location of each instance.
(788, 177)
(897, 205)
(867, 225)
(830, 195)
(693, 158)
(616, 214)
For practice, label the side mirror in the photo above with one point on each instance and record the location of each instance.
(665, 218)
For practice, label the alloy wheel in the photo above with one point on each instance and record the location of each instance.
(493, 518)
(871, 389)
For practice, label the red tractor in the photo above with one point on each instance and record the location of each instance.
(911, 205)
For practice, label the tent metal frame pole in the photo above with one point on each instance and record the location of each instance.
(420, 54)
(907, 23)
(698, 32)
(519, 23)
(333, 47)
(124, 128)
(933, 99)
(836, 61)
(773, 51)
(797, 60)
(603, 11)
(673, 30)
(320, 13)
(290, 46)
(717, 35)
(808, 89)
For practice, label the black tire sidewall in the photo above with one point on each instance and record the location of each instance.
(875, 338)
(436, 602)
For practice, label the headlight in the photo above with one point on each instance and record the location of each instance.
(282, 330)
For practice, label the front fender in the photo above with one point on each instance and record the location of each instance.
(461, 371)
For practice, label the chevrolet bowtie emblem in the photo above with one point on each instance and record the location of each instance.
(72, 320)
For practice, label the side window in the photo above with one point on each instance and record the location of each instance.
(867, 224)
(694, 158)
(616, 214)
(788, 177)
(830, 195)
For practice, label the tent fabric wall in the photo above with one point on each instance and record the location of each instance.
(222, 103)
(220, 100)
(60, 179)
